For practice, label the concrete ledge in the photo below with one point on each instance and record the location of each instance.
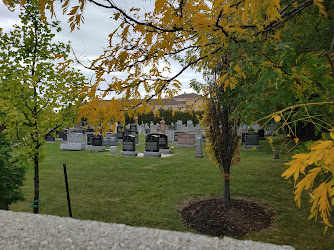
(29, 231)
(95, 148)
(72, 146)
(152, 154)
(164, 151)
(129, 153)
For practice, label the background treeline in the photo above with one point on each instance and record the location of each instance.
(168, 116)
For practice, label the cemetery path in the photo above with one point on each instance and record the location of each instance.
(211, 216)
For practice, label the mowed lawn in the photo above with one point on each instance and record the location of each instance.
(150, 191)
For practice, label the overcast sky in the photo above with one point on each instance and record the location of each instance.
(89, 41)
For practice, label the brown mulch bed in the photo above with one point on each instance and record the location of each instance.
(213, 217)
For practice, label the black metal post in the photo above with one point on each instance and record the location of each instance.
(67, 192)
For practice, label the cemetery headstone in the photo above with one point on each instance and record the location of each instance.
(163, 143)
(153, 128)
(113, 150)
(90, 137)
(251, 141)
(170, 134)
(129, 146)
(110, 139)
(190, 125)
(75, 142)
(127, 132)
(142, 129)
(198, 148)
(276, 154)
(50, 139)
(261, 134)
(152, 146)
(179, 126)
(256, 126)
(162, 127)
(185, 140)
(270, 129)
(97, 140)
(133, 127)
(60, 133)
(65, 136)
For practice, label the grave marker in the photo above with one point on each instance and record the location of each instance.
(198, 148)
(129, 146)
(185, 140)
(152, 146)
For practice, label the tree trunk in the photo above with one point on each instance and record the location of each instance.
(36, 183)
(227, 195)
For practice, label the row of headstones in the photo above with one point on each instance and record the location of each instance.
(268, 130)
(162, 127)
(155, 145)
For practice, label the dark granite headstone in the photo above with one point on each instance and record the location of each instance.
(135, 134)
(163, 140)
(129, 143)
(261, 134)
(90, 137)
(50, 138)
(110, 140)
(60, 134)
(252, 139)
(152, 143)
(65, 136)
(97, 140)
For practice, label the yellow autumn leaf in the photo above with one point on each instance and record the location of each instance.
(277, 118)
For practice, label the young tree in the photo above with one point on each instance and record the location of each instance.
(35, 94)
(222, 125)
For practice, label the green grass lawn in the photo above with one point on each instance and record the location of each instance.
(148, 191)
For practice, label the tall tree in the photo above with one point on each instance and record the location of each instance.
(36, 95)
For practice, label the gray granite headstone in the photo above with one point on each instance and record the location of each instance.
(142, 129)
(113, 150)
(75, 142)
(110, 140)
(198, 148)
(179, 126)
(153, 128)
(75, 138)
(270, 129)
(190, 125)
(276, 154)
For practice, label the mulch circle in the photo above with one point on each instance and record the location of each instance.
(211, 216)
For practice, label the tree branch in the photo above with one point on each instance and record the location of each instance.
(129, 18)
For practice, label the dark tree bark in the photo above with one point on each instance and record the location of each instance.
(36, 184)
